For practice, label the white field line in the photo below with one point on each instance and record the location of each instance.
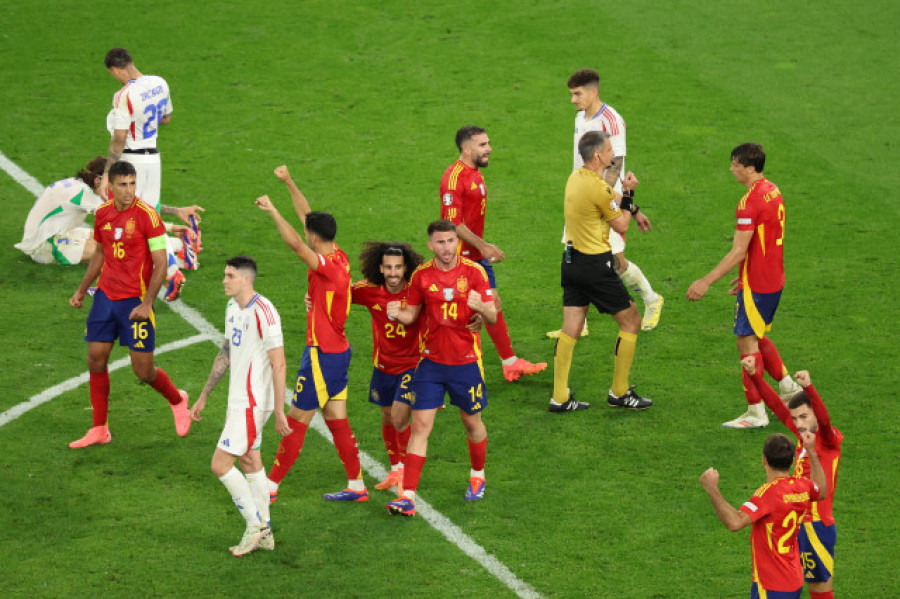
(208, 332)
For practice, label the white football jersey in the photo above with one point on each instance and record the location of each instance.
(607, 120)
(62, 207)
(138, 107)
(251, 333)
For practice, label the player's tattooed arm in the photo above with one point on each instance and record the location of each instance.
(219, 368)
(183, 212)
(116, 146)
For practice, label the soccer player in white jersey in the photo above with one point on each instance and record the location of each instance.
(139, 109)
(55, 230)
(253, 347)
(596, 115)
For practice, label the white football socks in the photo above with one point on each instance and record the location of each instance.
(634, 278)
(242, 496)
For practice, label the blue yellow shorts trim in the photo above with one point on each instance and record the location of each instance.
(109, 320)
(489, 270)
(464, 383)
(756, 317)
(816, 543)
(322, 377)
(386, 388)
(757, 592)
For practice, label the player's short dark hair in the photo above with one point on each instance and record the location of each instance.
(584, 77)
(93, 170)
(466, 133)
(779, 451)
(243, 262)
(322, 224)
(750, 154)
(799, 399)
(590, 142)
(374, 252)
(441, 226)
(118, 57)
(122, 168)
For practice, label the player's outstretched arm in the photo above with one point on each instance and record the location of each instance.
(90, 275)
(773, 401)
(183, 212)
(738, 250)
(279, 372)
(818, 407)
(301, 205)
(218, 370)
(289, 234)
(816, 472)
(732, 518)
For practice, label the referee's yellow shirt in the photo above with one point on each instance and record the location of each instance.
(589, 206)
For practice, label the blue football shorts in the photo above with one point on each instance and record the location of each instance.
(489, 270)
(109, 320)
(385, 388)
(464, 383)
(755, 594)
(816, 543)
(764, 304)
(322, 377)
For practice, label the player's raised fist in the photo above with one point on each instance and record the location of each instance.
(749, 364)
(630, 181)
(282, 173)
(710, 478)
(803, 379)
(393, 310)
(265, 204)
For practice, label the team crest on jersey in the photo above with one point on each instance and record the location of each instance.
(118, 233)
(447, 199)
(462, 285)
(130, 227)
(448, 294)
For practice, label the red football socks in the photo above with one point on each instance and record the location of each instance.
(347, 448)
(288, 450)
(99, 389)
(500, 336)
(165, 387)
(403, 442)
(772, 360)
(750, 390)
(389, 434)
(477, 453)
(412, 470)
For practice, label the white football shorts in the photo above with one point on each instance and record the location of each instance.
(243, 430)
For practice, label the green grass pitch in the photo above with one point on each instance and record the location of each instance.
(362, 101)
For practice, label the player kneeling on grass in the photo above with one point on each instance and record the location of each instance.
(450, 290)
(253, 348)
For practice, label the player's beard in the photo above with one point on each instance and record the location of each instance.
(482, 161)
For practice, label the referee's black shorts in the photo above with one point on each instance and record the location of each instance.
(592, 279)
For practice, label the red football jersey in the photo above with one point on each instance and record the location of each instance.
(464, 201)
(761, 210)
(124, 237)
(828, 445)
(395, 346)
(777, 509)
(446, 311)
(329, 292)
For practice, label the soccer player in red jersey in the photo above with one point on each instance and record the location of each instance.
(806, 412)
(322, 377)
(130, 260)
(758, 247)
(451, 290)
(775, 512)
(464, 202)
(387, 268)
